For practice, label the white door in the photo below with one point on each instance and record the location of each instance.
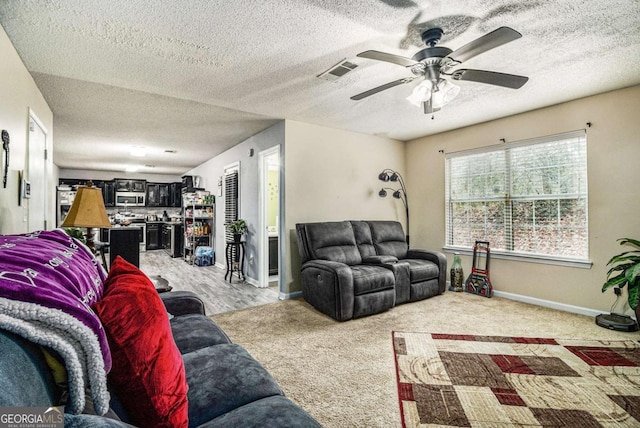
(269, 216)
(36, 174)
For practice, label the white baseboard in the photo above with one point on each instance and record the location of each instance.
(252, 281)
(548, 304)
(287, 296)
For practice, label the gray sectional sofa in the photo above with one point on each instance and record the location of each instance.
(227, 387)
(352, 269)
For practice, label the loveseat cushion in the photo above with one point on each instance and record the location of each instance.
(148, 372)
(422, 270)
(389, 238)
(195, 331)
(333, 241)
(370, 279)
(364, 241)
(222, 378)
(276, 411)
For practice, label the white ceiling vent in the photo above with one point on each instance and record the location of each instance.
(338, 70)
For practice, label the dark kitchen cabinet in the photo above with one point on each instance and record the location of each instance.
(163, 191)
(125, 185)
(108, 193)
(102, 185)
(122, 185)
(154, 236)
(158, 194)
(138, 185)
(153, 195)
(175, 195)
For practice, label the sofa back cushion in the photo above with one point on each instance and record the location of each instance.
(388, 238)
(364, 241)
(333, 241)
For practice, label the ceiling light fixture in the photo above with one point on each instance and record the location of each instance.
(132, 168)
(138, 151)
(440, 95)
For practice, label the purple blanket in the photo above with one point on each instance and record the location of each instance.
(51, 269)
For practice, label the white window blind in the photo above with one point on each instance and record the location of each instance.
(230, 200)
(525, 198)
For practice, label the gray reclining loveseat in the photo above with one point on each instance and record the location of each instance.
(352, 269)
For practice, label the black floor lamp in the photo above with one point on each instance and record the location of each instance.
(401, 193)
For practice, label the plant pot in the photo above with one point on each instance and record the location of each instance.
(236, 237)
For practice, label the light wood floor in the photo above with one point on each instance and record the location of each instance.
(207, 282)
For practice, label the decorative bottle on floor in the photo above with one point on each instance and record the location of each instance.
(457, 275)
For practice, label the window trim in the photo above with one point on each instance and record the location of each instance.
(521, 257)
(584, 263)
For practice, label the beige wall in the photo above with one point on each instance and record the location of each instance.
(18, 93)
(613, 146)
(331, 175)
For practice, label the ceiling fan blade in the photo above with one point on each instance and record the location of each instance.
(382, 88)
(490, 77)
(387, 57)
(484, 43)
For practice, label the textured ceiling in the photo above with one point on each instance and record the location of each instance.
(201, 76)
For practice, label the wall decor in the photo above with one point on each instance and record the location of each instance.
(5, 147)
(20, 185)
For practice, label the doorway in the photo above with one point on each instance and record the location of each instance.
(37, 174)
(269, 218)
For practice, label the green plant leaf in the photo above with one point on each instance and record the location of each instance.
(632, 273)
(621, 267)
(628, 256)
(624, 241)
(617, 281)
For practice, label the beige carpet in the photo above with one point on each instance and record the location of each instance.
(343, 374)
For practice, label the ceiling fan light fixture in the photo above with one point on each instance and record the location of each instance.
(421, 93)
(446, 92)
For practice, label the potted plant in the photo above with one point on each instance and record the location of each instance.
(625, 270)
(238, 228)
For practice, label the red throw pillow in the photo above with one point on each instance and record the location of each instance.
(147, 373)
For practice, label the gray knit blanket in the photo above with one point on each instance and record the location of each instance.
(76, 343)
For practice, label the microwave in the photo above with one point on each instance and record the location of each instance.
(130, 199)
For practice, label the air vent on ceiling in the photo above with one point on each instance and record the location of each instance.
(338, 70)
(149, 166)
(170, 151)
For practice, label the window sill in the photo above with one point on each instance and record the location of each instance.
(531, 258)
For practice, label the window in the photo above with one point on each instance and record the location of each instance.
(526, 198)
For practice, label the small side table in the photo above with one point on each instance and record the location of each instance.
(234, 264)
(160, 283)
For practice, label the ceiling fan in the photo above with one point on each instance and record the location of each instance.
(433, 62)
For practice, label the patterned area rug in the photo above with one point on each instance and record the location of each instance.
(493, 381)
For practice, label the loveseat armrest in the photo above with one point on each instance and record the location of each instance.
(378, 260)
(436, 257)
(182, 303)
(328, 286)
